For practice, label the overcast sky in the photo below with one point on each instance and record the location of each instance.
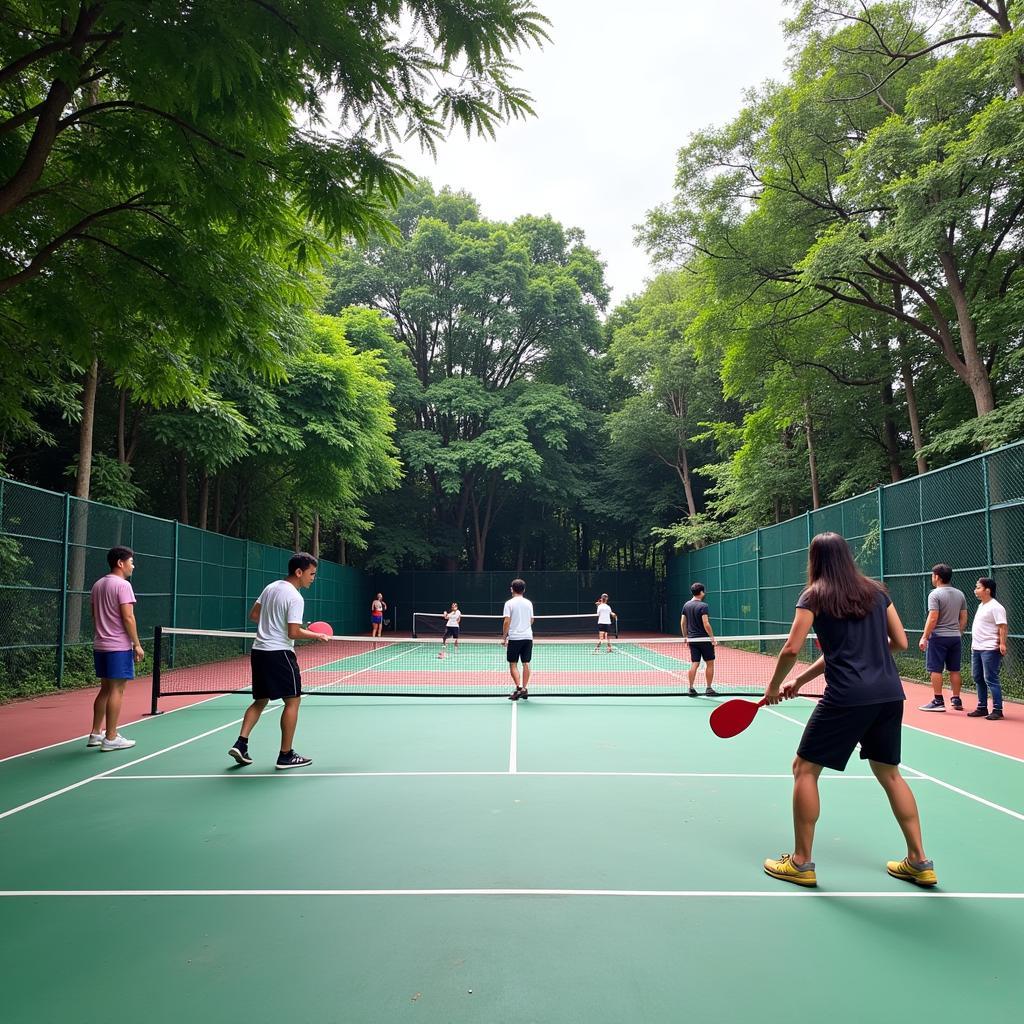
(618, 90)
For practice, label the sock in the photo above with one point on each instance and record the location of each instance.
(242, 741)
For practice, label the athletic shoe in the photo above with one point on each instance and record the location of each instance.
(935, 704)
(922, 873)
(119, 742)
(997, 714)
(786, 871)
(693, 692)
(710, 693)
(978, 713)
(240, 752)
(292, 760)
(523, 695)
(956, 704)
(96, 739)
(516, 693)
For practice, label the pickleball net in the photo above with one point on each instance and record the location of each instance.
(427, 624)
(192, 661)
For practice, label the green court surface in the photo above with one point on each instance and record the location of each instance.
(592, 860)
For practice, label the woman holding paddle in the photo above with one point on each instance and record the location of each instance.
(858, 628)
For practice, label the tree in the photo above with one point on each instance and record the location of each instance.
(904, 199)
(497, 321)
(167, 173)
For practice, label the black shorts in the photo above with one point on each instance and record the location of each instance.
(701, 649)
(451, 631)
(604, 627)
(832, 732)
(275, 675)
(943, 652)
(519, 650)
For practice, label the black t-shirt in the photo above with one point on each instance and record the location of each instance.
(858, 663)
(694, 612)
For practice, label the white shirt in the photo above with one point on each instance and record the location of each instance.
(280, 604)
(604, 614)
(985, 631)
(453, 618)
(519, 612)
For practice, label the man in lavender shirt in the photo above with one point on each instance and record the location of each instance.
(116, 647)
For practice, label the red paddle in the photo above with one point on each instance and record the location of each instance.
(732, 717)
(321, 627)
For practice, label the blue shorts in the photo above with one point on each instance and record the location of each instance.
(943, 652)
(114, 664)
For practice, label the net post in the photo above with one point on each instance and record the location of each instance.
(157, 645)
(414, 614)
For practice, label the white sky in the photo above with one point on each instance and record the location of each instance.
(618, 90)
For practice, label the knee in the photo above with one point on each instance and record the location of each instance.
(803, 768)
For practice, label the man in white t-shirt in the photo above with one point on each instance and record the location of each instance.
(604, 623)
(988, 648)
(275, 670)
(517, 635)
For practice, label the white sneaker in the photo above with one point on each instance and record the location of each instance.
(119, 742)
(95, 739)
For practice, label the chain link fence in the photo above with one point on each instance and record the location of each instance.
(969, 515)
(53, 547)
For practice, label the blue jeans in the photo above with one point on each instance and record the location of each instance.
(985, 669)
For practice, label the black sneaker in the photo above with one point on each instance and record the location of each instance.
(516, 693)
(292, 760)
(240, 752)
(997, 714)
(523, 695)
(978, 713)
(693, 692)
(956, 703)
(710, 693)
(935, 704)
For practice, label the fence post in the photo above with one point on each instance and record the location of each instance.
(757, 575)
(174, 602)
(807, 522)
(63, 618)
(880, 497)
(988, 514)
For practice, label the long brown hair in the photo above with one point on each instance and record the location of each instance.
(835, 586)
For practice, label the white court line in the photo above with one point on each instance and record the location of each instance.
(513, 744)
(658, 668)
(800, 894)
(232, 775)
(116, 768)
(924, 776)
(964, 743)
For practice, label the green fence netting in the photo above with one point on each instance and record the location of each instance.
(969, 515)
(53, 547)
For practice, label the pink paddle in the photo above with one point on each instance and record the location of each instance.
(321, 627)
(732, 717)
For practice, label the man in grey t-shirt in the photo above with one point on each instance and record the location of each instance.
(941, 638)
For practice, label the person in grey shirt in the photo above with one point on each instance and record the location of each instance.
(942, 637)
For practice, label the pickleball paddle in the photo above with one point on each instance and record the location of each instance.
(321, 627)
(732, 717)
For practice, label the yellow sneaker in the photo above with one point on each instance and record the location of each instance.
(786, 870)
(923, 873)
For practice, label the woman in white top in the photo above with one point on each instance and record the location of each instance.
(604, 623)
(452, 619)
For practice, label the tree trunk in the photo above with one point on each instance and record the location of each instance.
(812, 460)
(183, 489)
(80, 510)
(890, 436)
(684, 473)
(216, 503)
(122, 409)
(204, 499)
(585, 548)
(316, 535)
(907, 373)
(296, 539)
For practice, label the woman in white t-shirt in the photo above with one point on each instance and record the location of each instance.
(452, 618)
(604, 623)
